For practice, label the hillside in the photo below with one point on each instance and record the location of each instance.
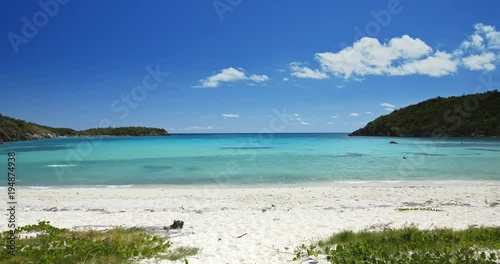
(474, 115)
(12, 129)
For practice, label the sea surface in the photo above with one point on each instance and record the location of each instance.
(249, 159)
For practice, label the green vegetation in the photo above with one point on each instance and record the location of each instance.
(475, 115)
(12, 129)
(117, 245)
(409, 245)
(125, 131)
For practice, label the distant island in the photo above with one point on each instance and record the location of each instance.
(12, 129)
(473, 115)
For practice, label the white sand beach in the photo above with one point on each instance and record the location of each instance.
(266, 219)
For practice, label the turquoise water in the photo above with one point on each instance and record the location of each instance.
(249, 159)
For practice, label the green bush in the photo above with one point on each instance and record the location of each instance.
(409, 245)
(117, 245)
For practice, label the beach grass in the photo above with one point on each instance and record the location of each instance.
(409, 245)
(44, 243)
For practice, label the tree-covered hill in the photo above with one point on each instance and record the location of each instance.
(473, 115)
(12, 129)
(125, 131)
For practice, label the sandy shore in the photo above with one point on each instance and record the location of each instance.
(270, 219)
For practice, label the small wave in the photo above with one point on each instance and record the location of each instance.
(61, 165)
(40, 187)
(119, 186)
(353, 182)
(391, 182)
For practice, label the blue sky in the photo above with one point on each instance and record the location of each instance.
(239, 65)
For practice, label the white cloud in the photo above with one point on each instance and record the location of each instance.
(485, 37)
(230, 75)
(195, 128)
(480, 50)
(439, 64)
(368, 113)
(285, 79)
(389, 109)
(225, 75)
(334, 116)
(330, 123)
(405, 55)
(353, 114)
(296, 119)
(300, 71)
(480, 62)
(258, 78)
(368, 56)
(339, 86)
(230, 115)
(474, 42)
(387, 105)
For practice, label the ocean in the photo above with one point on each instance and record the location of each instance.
(188, 159)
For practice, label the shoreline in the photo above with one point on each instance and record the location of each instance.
(273, 218)
(309, 184)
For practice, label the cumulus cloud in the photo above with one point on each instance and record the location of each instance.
(439, 64)
(485, 37)
(298, 70)
(480, 50)
(387, 105)
(480, 62)
(230, 75)
(473, 42)
(368, 56)
(368, 113)
(353, 114)
(230, 115)
(406, 55)
(258, 78)
(285, 79)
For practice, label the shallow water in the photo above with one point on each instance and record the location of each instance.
(249, 159)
